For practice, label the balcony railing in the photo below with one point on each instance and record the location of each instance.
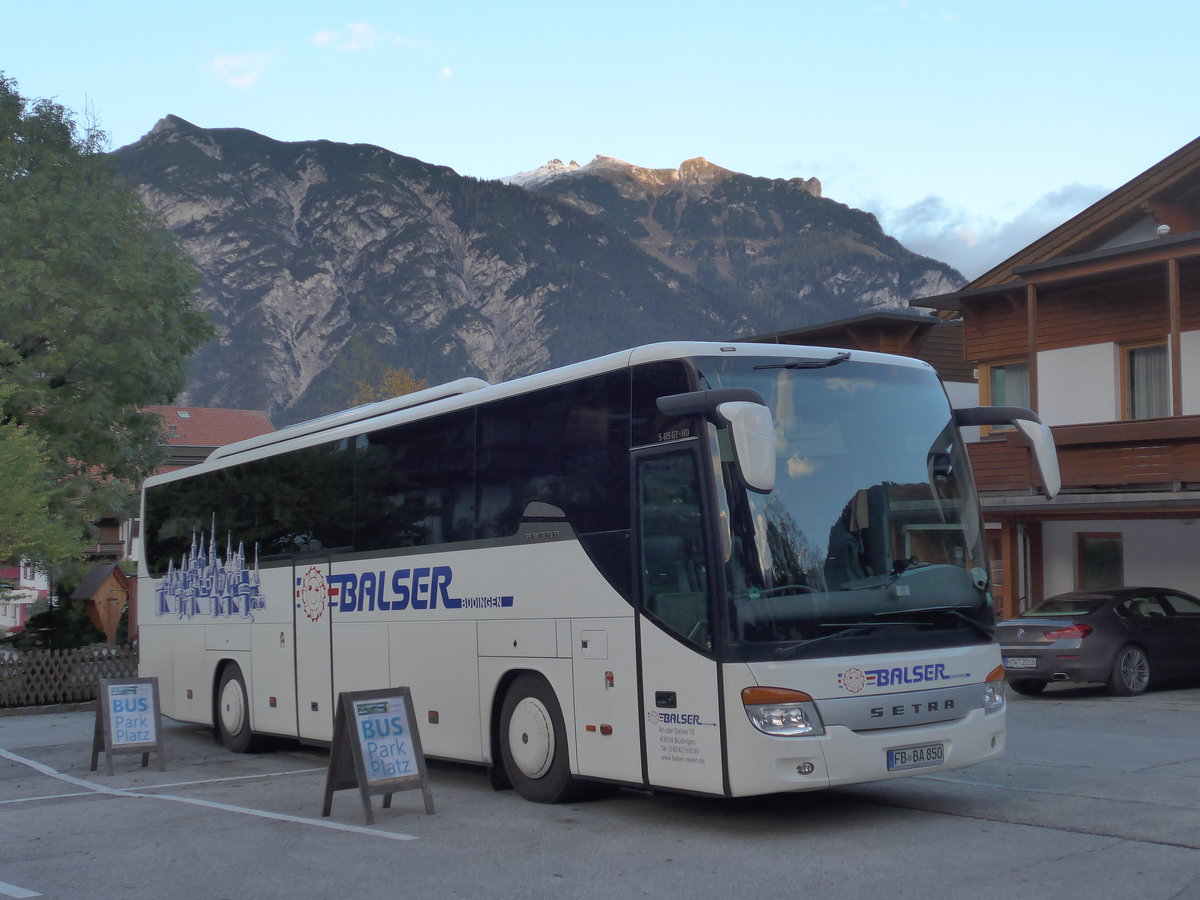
(1102, 456)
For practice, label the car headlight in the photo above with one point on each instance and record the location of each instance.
(781, 712)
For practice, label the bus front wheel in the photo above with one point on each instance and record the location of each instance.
(533, 742)
(233, 710)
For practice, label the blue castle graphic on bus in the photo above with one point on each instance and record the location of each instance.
(206, 585)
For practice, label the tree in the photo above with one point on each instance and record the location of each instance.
(96, 316)
(395, 383)
(30, 529)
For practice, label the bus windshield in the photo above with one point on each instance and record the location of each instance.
(871, 538)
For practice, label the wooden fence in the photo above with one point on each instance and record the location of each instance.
(42, 677)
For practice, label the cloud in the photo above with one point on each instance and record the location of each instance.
(240, 70)
(799, 467)
(445, 74)
(974, 244)
(358, 36)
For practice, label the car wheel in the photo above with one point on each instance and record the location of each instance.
(233, 710)
(1028, 686)
(1130, 672)
(533, 742)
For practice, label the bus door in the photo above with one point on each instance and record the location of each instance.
(313, 645)
(681, 728)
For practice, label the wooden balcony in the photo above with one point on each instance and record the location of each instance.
(1151, 453)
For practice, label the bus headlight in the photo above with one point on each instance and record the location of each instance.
(993, 691)
(781, 712)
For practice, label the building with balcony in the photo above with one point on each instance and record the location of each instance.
(1096, 326)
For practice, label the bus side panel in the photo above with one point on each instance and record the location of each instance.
(360, 658)
(192, 674)
(154, 661)
(438, 662)
(268, 633)
(608, 733)
(274, 679)
(682, 727)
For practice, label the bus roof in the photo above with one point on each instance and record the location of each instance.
(466, 392)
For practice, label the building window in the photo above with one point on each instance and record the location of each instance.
(1007, 384)
(1145, 381)
(1004, 384)
(1100, 560)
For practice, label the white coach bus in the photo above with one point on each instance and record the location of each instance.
(723, 569)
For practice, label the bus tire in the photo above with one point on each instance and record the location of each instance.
(233, 710)
(533, 742)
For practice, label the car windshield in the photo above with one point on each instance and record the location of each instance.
(1064, 606)
(871, 536)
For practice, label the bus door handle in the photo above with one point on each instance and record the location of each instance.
(665, 699)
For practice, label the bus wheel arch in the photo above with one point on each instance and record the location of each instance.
(231, 710)
(532, 740)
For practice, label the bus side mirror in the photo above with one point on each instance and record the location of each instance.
(1045, 456)
(751, 428)
(752, 431)
(1035, 432)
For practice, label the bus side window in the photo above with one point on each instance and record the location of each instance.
(674, 574)
(567, 445)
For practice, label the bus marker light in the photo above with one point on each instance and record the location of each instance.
(757, 696)
(591, 728)
(433, 717)
(606, 729)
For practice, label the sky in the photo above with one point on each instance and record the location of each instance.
(969, 128)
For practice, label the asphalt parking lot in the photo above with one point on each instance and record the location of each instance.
(1096, 797)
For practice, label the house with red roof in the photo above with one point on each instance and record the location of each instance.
(193, 432)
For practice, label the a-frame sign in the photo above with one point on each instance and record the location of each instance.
(376, 749)
(128, 721)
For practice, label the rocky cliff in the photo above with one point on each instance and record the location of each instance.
(323, 264)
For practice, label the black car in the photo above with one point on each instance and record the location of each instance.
(1125, 637)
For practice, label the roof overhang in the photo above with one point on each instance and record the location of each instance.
(1165, 503)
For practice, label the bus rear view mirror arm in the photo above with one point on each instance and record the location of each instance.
(1035, 432)
(751, 428)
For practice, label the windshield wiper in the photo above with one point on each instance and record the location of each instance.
(986, 630)
(844, 630)
(808, 363)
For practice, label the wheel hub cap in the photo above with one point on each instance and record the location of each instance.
(531, 738)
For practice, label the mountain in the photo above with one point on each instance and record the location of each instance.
(324, 264)
(775, 247)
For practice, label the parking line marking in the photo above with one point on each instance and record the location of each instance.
(11, 890)
(209, 804)
(47, 797)
(177, 784)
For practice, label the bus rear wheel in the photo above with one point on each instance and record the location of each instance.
(233, 710)
(533, 742)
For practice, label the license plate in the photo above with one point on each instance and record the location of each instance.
(916, 757)
(1020, 662)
